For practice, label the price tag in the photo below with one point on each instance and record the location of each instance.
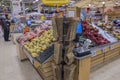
(93, 53)
(111, 47)
(106, 49)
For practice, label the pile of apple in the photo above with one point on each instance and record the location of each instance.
(93, 34)
(40, 44)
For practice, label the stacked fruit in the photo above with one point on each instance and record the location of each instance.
(25, 38)
(40, 44)
(92, 33)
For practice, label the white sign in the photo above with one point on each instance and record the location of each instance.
(71, 13)
(16, 6)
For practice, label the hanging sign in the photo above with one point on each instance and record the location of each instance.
(16, 7)
(55, 2)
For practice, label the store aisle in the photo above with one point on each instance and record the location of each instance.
(110, 71)
(11, 68)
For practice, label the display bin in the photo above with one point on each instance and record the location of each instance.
(97, 52)
(70, 28)
(111, 54)
(106, 49)
(45, 69)
(20, 53)
(97, 60)
(69, 73)
(28, 55)
(116, 45)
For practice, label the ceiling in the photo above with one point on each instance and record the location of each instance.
(97, 3)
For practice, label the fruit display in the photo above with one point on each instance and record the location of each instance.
(93, 34)
(41, 43)
(26, 37)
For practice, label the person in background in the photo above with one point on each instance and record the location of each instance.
(6, 27)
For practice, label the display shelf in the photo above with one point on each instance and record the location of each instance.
(20, 53)
(44, 69)
(28, 55)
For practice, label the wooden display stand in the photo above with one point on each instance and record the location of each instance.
(20, 53)
(84, 68)
(73, 12)
(45, 70)
(103, 58)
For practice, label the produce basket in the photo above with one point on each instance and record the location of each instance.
(69, 24)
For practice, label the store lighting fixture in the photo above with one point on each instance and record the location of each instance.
(35, 1)
(103, 2)
(116, 3)
(89, 5)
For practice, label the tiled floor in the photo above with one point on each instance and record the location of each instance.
(11, 68)
(110, 71)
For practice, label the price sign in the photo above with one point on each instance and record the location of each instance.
(55, 2)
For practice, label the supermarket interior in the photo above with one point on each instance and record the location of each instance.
(59, 39)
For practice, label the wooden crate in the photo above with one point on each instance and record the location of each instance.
(69, 71)
(57, 53)
(56, 71)
(45, 70)
(70, 30)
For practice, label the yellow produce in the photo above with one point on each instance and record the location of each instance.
(34, 54)
(41, 43)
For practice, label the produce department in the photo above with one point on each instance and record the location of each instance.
(67, 40)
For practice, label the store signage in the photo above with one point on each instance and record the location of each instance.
(55, 2)
(16, 7)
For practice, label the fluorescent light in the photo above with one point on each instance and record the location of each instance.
(103, 2)
(89, 5)
(35, 1)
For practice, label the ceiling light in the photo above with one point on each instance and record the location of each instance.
(36, 0)
(116, 3)
(103, 2)
(89, 5)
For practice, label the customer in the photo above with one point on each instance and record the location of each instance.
(6, 27)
